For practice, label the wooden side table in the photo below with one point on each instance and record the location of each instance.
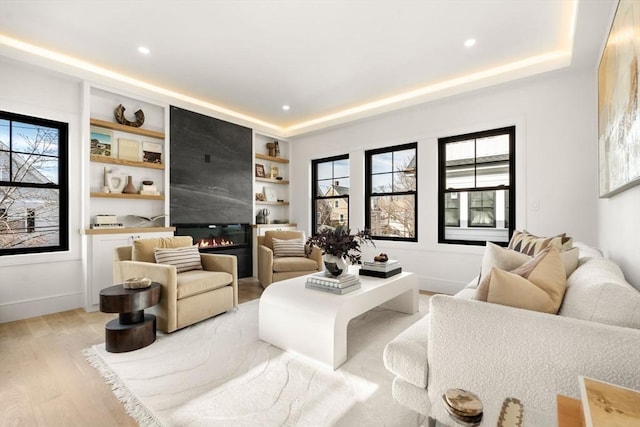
(569, 412)
(132, 329)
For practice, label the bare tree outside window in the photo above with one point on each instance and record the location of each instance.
(33, 193)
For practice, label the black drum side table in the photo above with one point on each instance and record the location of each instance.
(132, 329)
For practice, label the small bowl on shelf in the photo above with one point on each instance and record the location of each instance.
(147, 182)
(279, 178)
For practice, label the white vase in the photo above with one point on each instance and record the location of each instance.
(336, 266)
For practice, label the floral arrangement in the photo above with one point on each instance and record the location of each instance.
(340, 243)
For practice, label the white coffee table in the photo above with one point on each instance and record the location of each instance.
(314, 323)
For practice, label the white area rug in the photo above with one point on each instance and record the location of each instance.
(218, 373)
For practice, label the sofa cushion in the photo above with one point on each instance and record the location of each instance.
(294, 264)
(538, 285)
(597, 291)
(406, 355)
(195, 282)
(288, 248)
(143, 248)
(184, 259)
(281, 234)
(530, 244)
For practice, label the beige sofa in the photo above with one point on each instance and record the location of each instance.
(272, 268)
(498, 351)
(187, 297)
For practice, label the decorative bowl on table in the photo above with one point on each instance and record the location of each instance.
(137, 283)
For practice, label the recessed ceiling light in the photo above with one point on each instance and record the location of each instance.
(470, 42)
(286, 107)
(144, 50)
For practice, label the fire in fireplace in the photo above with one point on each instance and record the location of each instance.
(213, 242)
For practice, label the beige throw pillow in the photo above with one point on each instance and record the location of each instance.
(538, 285)
(143, 248)
(184, 259)
(288, 248)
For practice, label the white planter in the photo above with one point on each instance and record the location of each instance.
(334, 265)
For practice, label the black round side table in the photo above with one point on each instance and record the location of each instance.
(132, 329)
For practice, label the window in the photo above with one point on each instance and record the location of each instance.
(476, 194)
(391, 192)
(330, 191)
(33, 185)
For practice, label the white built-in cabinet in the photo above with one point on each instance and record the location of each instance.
(268, 185)
(98, 115)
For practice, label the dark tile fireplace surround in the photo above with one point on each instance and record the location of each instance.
(211, 183)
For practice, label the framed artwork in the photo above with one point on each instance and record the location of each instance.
(151, 152)
(270, 194)
(129, 149)
(275, 171)
(259, 170)
(101, 141)
(618, 107)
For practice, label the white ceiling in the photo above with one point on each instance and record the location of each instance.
(331, 61)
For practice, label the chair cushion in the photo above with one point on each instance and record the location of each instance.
(184, 259)
(143, 248)
(288, 248)
(195, 282)
(294, 264)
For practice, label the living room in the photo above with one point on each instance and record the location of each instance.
(556, 118)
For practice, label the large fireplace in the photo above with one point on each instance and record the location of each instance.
(230, 239)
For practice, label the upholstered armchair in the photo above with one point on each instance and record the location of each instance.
(209, 286)
(281, 255)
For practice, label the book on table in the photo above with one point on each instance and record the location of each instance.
(342, 281)
(332, 289)
(389, 265)
(605, 404)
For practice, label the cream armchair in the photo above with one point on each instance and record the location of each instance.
(272, 268)
(187, 297)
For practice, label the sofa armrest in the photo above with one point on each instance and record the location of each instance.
(265, 266)
(498, 351)
(164, 274)
(225, 263)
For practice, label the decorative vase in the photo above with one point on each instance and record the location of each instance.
(130, 188)
(334, 265)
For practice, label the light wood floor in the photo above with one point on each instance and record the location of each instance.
(45, 379)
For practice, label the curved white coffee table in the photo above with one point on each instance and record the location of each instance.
(314, 323)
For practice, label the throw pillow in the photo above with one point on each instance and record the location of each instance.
(184, 259)
(530, 244)
(539, 284)
(288, 248)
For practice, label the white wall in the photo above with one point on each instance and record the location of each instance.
(556, 157)
(36, 284)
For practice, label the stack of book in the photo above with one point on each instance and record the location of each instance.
(381, 269)
(336, 285)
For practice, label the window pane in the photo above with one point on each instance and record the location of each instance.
(35, 169)
(4, 134)
(324, 187)
(327, 215)
(341, 186)
(341, 168)
(36, 139)
(382, 183)
(31, 217)
(382, 163)
(403, 181)
(492, 146)
(493, 174)
(461, 152)
(461, 176)
(404, 160)
(393, 216)
(324, 170)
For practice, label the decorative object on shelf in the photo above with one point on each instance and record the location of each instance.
(147, 182)
(151, 152)
(275, 172)
(129, 149)
(119, 115)
(137, 283)
(259, 170)
(263, 216)
(130, 188)
(101, 140)
(279, 178)
(148, 188)
(511, 413)
(260, 197)
(115, 180)
(270, 194)
(381, 258)
(337, 245)
(276, 150)
(145, 221)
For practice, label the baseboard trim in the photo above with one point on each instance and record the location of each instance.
(25, 309)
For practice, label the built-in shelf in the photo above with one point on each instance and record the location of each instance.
(129, 230)
(128, 129)
(127, 196)
(271, 158)
(272, 181)
(121, 162)
(272, 203)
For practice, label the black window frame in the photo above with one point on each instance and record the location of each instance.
(511, 188)
(62, 182)
(314, 189)
(369, 193)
